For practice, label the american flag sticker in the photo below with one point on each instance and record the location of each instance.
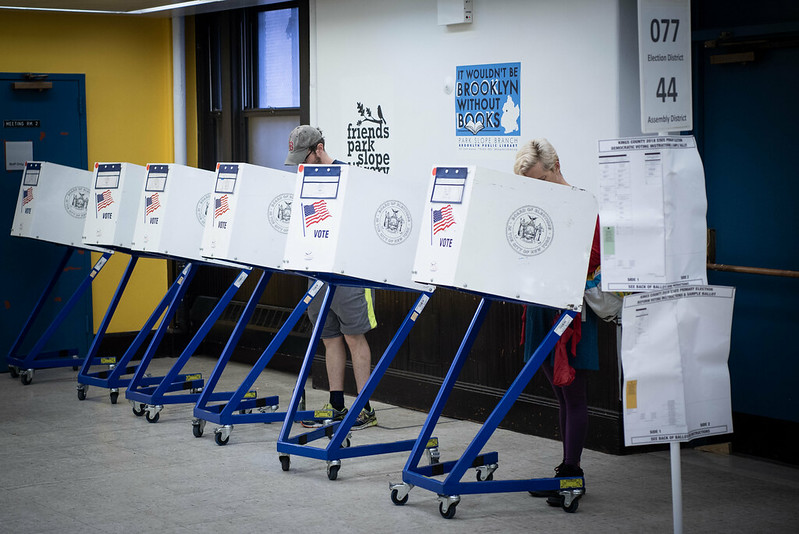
(220, 206)
(442, 219)
(104, 199)
(27, 195)
(151, 204)
(315, 213)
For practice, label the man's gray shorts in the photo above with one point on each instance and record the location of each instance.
(351, 313)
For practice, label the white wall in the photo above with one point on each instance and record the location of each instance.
(394, 54)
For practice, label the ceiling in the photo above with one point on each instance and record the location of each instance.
(162, 8)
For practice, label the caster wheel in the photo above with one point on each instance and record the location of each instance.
(81, 394)
(138, 411)
(450, 513)
(152, 419)
(219, 440)
(13, 372)
(25, 378)
(285, 463)
(332, 472)
(114, 395)
(396, 500)
(197, 431)
(481, 479)
(572, 507)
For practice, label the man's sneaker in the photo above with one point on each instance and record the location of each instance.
(365, 420)
(320, 416)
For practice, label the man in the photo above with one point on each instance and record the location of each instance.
(351, 313)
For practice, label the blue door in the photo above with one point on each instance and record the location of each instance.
(748, 114)
(47, 113)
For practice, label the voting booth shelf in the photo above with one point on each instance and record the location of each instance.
(51, 206)
(509, 238)
(236, 230)
(351, 227)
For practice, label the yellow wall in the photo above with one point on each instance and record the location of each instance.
(127, 61)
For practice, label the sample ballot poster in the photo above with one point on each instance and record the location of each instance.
(652, 209)
(674, 351)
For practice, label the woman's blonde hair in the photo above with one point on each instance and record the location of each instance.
(534, 151)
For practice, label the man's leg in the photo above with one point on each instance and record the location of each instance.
(335, 362)
(361, 360)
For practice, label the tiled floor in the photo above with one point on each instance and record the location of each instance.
(91, 466)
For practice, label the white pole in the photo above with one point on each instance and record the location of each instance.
(676, 486)
(179, 89)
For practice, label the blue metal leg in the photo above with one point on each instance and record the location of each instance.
(181, 283)
(570, 489)
(238, 330)
(305, 370)
(31, 360)
(112, 306)
(225, 414)
(12, 353)
(446, 387)
(159, 395)
(338, 432)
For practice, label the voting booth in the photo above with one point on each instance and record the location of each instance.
(172, 208)
(351, 226)
(249, 215)
(356, 223)
(51, 206)
(52, 203)
(247, 223)
(113, 204)
(506, 235)
(509, 238)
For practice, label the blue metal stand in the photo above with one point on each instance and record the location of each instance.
(24, 366)
(338, 432)
(147, 397)
(114, 378)
(569, 490)
(243, 399)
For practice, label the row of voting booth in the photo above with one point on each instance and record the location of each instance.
(496, 235)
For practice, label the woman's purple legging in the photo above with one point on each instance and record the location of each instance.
(573, 402)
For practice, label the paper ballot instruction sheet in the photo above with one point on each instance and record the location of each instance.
(675, 347)
(652, 208)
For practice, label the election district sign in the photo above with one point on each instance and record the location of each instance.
(674, 351)
(664, 57)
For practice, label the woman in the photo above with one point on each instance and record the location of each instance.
(538, 159)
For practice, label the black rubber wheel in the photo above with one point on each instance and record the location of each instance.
(114, 395)
(81, 394)
(450, 513)
(572, 507)
(153, 419)
(332, 472)
(13, 372)
(197, 430)
(25, 378)
(480, 478)
(219, 440)
(285, 463)
(138, 411)
(396, 500)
